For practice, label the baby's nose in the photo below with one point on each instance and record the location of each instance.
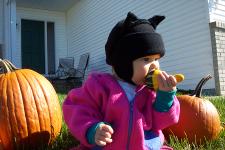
(154, 65)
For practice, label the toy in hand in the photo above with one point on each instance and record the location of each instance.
(152, 82)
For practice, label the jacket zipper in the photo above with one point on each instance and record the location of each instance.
(130, 123)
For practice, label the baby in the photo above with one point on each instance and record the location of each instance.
(117, 111)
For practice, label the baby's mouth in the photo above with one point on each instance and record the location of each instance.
(148, 78)
(150, 72)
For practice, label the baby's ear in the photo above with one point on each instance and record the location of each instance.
(130, 19)
(155, 20)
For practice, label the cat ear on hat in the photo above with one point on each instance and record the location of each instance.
(155, 20)
(130, 19)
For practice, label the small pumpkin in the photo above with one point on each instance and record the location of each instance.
(30, 113)
(199, 119)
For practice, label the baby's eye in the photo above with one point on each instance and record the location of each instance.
(146, 59)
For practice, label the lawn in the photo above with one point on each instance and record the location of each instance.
(66, 141)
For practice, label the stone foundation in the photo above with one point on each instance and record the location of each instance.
(218, 48)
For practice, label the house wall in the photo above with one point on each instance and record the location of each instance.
(1, 21)
(1, 29)
(185, 32)
(217, 10)
(48, 16)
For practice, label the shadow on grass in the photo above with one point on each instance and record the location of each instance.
(64, 141)
(64, 86)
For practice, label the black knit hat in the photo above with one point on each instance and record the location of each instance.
(130, 39)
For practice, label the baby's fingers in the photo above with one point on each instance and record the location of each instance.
(166, 82)
(103, 135)
(100, 143)
(106, 134)
(101, 140)
(172, 80)
(106, 128)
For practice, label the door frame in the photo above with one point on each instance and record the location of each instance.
(9, 26)
(45, 38)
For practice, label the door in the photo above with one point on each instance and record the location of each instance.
(33, 45)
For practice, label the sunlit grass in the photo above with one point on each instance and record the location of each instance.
(65, 140)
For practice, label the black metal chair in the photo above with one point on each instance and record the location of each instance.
(67, 77)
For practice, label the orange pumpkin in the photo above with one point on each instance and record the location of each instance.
(30, 113)
(199, 119)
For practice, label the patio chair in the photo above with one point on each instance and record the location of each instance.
(65, 65)
(79, 72)
(66, 76)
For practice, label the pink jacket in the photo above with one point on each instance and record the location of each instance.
(102, 99)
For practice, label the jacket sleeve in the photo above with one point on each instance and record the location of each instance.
(163, 120)
(82, 107)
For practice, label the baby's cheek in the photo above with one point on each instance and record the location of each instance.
(139, 80)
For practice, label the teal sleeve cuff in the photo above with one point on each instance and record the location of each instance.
(164, 100)
(90, 135)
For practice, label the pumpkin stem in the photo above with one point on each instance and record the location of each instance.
(6, 66)
(13, 67)
(198, 90)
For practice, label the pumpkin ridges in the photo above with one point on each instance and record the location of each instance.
(55, 116)
(10, 123)
(210, 122)
(11, 106)
(36, 97)
(20, 115)
(47, 122)
(1, 108)
(28, 104)
(6, 127)
(20, 112)
(23, 122)
(57, 113)
(202, 112)
(43, 111)
(46, 99)
(42, 115)
(44, 121)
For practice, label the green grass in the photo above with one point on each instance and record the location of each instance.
(66, 141)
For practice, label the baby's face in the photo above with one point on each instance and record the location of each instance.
(142, 66)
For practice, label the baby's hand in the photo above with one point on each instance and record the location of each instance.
(166, 82)
(103, 135)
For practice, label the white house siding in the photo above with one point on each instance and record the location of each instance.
(1, 21)
(185, 31)
(48, 16)
(217, 10)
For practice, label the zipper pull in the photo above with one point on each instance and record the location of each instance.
(132, 105)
